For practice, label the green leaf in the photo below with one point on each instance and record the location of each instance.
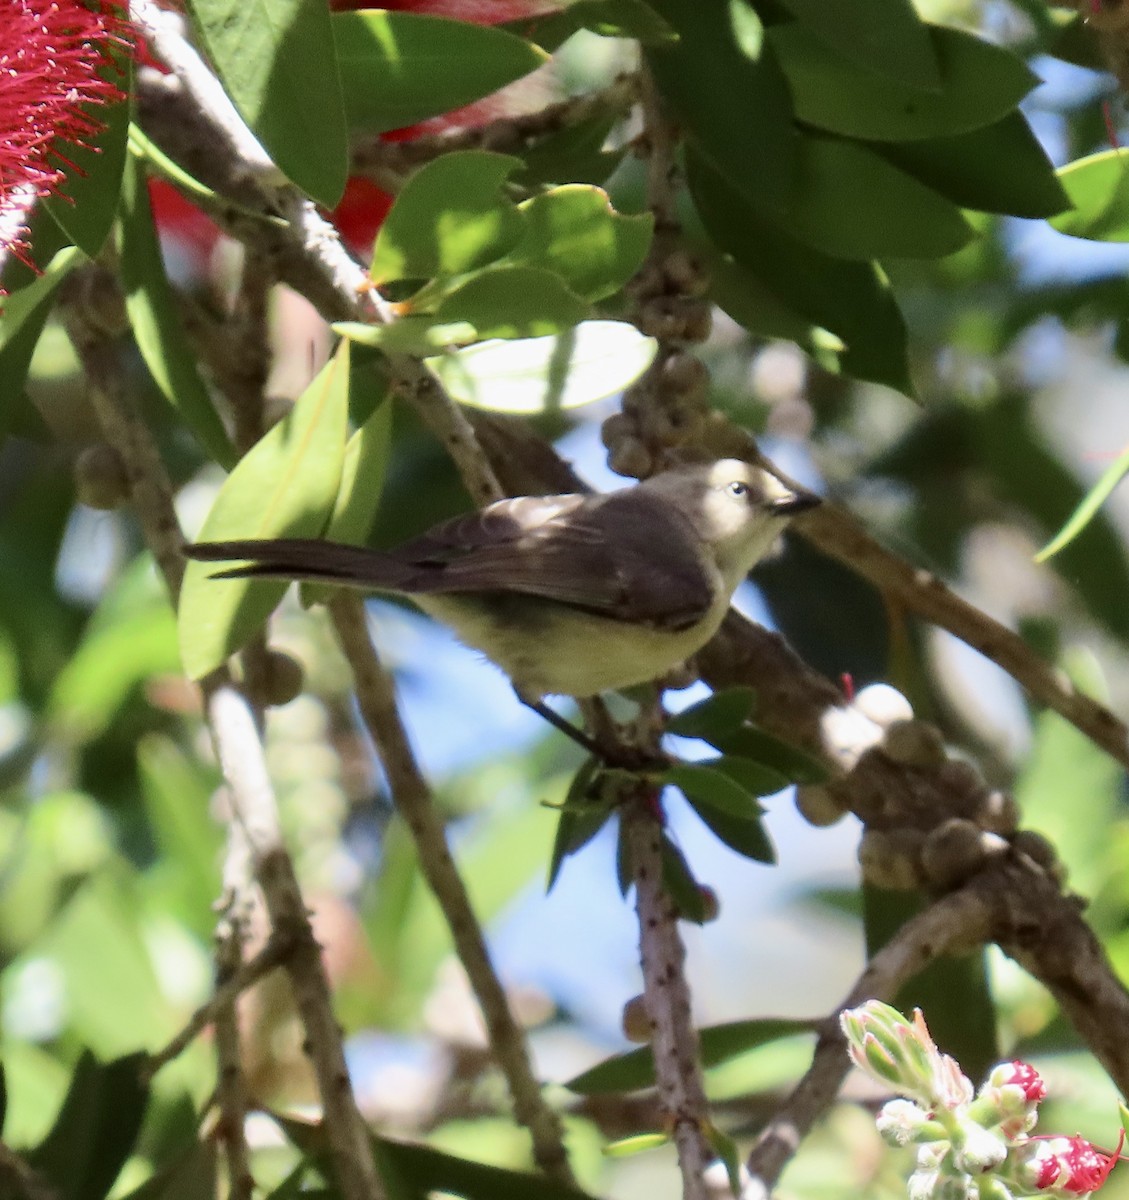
(156, 325)
(980, 83)
(763, 748)
(141, 147)
(1001, 168)
(851, 203)
(277, 61)
(87, 201)
(725, 85)
(176, 791)
(1088, 508)
(23, 316)
(726, 1150)
(110, 662)
(513, 302)
(744, 835)
(398, 68)
(423, 1171)
(582, 816)
(1098, 188)
(190, 1176)
(284, 486)
(362, 478)
(886, 36)
(449, 218)
(593, 360)
(750, 303)
(680, 885)
(421, 334)
(719, 712)
(606, 18)
(852, 300)
(95, 1129)
(719, 1043)
(637, 1144)
(574, 154)
(704, 785)
(574, 232)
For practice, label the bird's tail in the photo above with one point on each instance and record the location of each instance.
(305, 559)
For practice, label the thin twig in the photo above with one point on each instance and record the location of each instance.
(231, 1083)
(268, 959)
(838, 534)
(377, 702)
(666, 995)
(240, 751)
(961, 919)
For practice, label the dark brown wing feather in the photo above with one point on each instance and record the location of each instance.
(627, 556)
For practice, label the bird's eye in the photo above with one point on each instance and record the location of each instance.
(737, 488)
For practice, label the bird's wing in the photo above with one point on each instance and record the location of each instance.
(627, 556)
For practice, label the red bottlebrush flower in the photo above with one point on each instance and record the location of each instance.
(1024, 1076)
(1076, 1166)
(51, 56)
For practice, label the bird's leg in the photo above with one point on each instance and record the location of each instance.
(607, 746)
(566, 727)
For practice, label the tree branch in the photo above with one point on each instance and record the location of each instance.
(412, 797)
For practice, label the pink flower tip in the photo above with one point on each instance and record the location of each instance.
(55, 64)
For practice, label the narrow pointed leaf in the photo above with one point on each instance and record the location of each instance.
(23, 315)
(794, 765)
(722, 80)
(680, 885)
(285, 486)
(885, 36)
(581, 818)
(1098, 188)
(398, 68)
(1086, 510)
(705, 785)
(278, 64)
(719, 1043)
(719, 712)
(1001, 168)
(95, 1130)
(156, 326)
(980, 83)
(88, 199)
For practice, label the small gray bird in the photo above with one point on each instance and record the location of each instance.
(574, 594)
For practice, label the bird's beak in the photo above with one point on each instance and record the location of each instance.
(793, 503)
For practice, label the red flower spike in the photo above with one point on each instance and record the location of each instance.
(1080, 1168)
(51, 52)
(1026, 1077)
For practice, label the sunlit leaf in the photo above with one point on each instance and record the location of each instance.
(449, 218)
(574, 232)
(587, 363)
(398, 68)
(277, 62)
(513, 302)
(285, 486)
